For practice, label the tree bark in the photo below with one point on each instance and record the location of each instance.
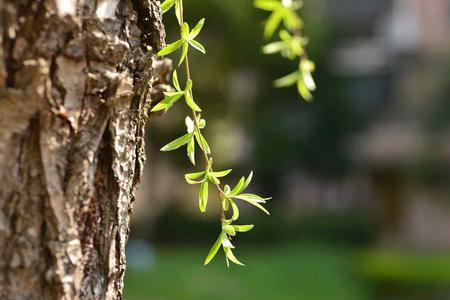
(77, 79)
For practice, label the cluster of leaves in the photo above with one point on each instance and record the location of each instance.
(194, 138)
(291, 44)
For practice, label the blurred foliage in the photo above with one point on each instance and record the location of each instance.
(176, 227)
(305, 272)
(406, 268)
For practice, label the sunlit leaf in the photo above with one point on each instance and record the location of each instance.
(268, 5)
(243, 228)
(197, 28)
(229, 254)
(179, 12)
(175, 81)
(226, 243)
(272, 23)
(166, 5)
(214, 249)
(184, 51)
(287, 80)
(191, 150)
(203, 196)
(191, 178)
(177, 143)
(222, 173)
(171, 48)
(235, 210)
(197, 46)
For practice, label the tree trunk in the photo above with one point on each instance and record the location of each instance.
(76, 82)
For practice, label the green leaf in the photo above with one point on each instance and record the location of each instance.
(238, 188)
(171, 48)
(268, 5)
(203, 196)
(190, 102)
(229, 254)
(197, 28)
(254, 203)
(191, 150)
(184, 51)
(214, 249)
(178, 11)
(171, 98)
(287, 80)
(225, 203)
(243, 228)
(272, 23)
(274, 47)
(188, 85)
(166, 5)
(191, 178)
(252, 197)
(175, 81)
(247, 181)
(222, 173)
(197, 46)
(202, 143)
(235, 210)
(303, 90)
(185, 30)
(229, 229)
(177, 143)
(226, 243)
(213, 179)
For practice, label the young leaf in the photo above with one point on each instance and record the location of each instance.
(303, 90)
(238, 188)
(225, 203)
(235, 210)
(222, 173)
(171, 48)
(243, 228)
(268, 5)
(229, 254)
(166, 5)
(197, 46)
(226, 243)
(203, 144)
(178, 11)
(190, 126)
(229, 229)
(184, 51)
(254, 203)
(272, 23)
(191, 178)
(175, 81)
(287, 80)
(191, 150)
(197, 28)
(177, 143)
(185, 30)
(252, 197)
(190, 102)
(171, 98)
(214, 249)
(247, 181)
(273, 47)
(203, 196)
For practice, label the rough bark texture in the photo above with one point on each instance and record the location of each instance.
(76, 82)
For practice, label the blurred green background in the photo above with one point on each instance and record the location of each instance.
(361, 204)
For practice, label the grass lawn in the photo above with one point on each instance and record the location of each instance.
(286, 272)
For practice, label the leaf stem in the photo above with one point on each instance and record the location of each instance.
(206, 158)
